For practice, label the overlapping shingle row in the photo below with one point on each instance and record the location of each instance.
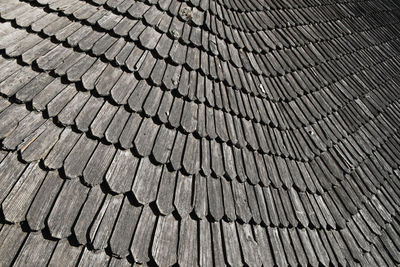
(199, 133)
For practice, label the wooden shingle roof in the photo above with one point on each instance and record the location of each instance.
(199, 132)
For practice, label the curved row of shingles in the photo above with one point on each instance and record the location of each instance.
(160, 66)
(172, 69)
(34, 248)
(255, 109)
(98, 220)
(220, 50)
(244, 7)
(204, 256)
(31, 88)
(206, 97)
(284, 18)
(220, 19)
(142, 151)
(246, 210)
(176, 27)
(204, 5)
(49, 61)
(282, 42)
(11, 52)
(120, 165)
(232, 201)
(313, 8)
(291, 37)
(81, 113)
(113, 22)
(35, 88)
(93, 77)
(220, 24)
(10, 211)
(95, 66)
(86, 112)
(113, 130)
(21, 124)
(77, 31)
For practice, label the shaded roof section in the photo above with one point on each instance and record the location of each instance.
(199, 132)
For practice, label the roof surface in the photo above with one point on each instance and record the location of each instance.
(199, 132)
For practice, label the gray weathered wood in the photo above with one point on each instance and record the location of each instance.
(248, 245)
(36, 251)
(145, 137)
(40, 101)
(102, 120)
(92, 75)
(232, 245)
(215, 198)
(87, 214)
(66, 208)
(92, 258)
(66, 142)
(287, 246)
(177, 151)
(264, 248)
(42, 48)
(71, 110)
(10, 234)
(57, 104)
(75, 73)
(122, 171)
(108, 79)
(187, 250)
(53, 58)
(88, 113)
(191, 158)
(165, 196)
(205, 244)
(143, 235)
(103, 224)
(146, 181)
(117, 125)
(97, 166)
(183, 195)
(253, 204)
(273, 216)
(241, 203)
(10, 118)
(217, 163)
(277, 248)
(36, 85)
(229, 201)
(201, 199)
(16, 204)
(165, 242)
(41, 205)
(25, 128)
(65, 253)
(10, 170)
(41, 146)
(163, 144)
(80, 154)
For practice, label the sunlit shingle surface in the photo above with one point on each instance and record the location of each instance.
(200, 132)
